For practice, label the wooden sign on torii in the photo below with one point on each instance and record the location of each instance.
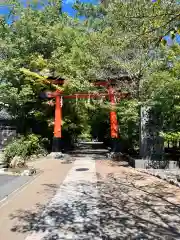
(59, 96)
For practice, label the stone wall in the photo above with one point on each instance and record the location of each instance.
(6, 134)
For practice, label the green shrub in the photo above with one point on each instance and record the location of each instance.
(24, 146)
(170, 136)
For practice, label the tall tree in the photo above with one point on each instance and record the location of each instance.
(40, 42)
(122, 39)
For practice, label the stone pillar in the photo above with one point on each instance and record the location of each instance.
(7, 133)
(151, 144)
(145, 148)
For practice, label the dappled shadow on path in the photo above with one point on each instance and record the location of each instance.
(132, 210)
(119, 206)
(72, 214)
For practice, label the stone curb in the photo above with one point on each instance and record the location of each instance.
(26, 172)
(157, 175)
(171, 181)
(3, 170)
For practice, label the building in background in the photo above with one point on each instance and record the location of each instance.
(7, 128)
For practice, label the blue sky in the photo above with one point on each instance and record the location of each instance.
(170, 41)
(67, 7)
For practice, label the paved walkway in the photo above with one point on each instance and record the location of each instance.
(73, 209)
(9, 184)
(90, 199)
(18, 214)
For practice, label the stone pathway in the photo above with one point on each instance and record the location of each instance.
(99, 201)
(73, 212)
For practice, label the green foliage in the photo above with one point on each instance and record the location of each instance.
(147, 22)
(161, 88)
(38, 44)
(24, 147)
(128, 117)
(171, 136)
(85, 136)
(120, 40)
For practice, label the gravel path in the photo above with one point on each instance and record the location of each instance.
(137, 206)
(171, 176)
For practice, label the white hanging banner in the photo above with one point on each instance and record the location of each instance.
(76, 99)
(89, 98)
(61, 101)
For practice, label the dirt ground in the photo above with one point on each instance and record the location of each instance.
(134, 205)
(130, 204)
(19, 210)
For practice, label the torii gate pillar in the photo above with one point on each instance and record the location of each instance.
(113, 120)
(57, 139)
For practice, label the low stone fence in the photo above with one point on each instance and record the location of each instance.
(170, 173)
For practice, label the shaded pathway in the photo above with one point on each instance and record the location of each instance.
(99, 201)
(73, 212)
(137, 206)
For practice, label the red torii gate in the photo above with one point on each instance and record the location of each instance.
(58, 95)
